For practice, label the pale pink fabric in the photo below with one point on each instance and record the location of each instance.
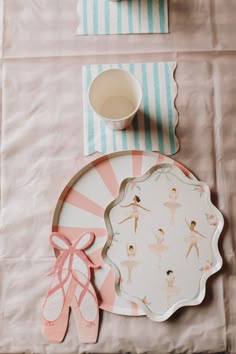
(42, 148)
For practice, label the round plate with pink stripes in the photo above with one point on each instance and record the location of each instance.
(81, 207)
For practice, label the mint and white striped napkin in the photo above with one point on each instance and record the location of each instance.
(129, 16)
(154, 126)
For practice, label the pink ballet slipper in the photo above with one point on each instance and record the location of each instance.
(56, 310)
(72, 272)
(86, 312)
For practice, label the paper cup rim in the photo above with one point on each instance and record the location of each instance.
(137, 106)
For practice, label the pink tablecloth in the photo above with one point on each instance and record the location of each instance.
(42, 148)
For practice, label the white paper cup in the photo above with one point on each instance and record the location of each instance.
(115, 96)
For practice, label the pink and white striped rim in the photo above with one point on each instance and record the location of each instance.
(81, 207)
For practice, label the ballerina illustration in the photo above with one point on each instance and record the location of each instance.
(135, 214)
(131, 262)
(171, 289)
(194, 238)
(159, 246)
(172, 204)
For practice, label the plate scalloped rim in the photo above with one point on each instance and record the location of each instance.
(204, 278)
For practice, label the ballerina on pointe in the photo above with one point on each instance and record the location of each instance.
(135, 213)
(194, 238)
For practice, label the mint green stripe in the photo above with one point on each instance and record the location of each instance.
(135, 121)
(114, 140)
(147, 124)
(162, 15)
(119, 17)
(85, 17)
(158, 107)
(91, 144)
(107, 18)
(139, 16)
(102, 125)
(124, 139)
(150, 15)
(130, 16)
(123, 132)
(169, 106)
(95, 16)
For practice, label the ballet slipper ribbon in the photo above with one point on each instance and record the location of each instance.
(163, 171)
(64, 262)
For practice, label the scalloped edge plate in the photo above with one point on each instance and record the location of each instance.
(202, 287)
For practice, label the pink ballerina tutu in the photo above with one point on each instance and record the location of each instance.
(192, 239)
(157, 247)
(129, 263)
(134, 214)
(172, 291)
(172, 205)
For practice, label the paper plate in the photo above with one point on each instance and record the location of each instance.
(81, 207)
(163, 240)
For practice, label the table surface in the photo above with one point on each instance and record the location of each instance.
(42, 148)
